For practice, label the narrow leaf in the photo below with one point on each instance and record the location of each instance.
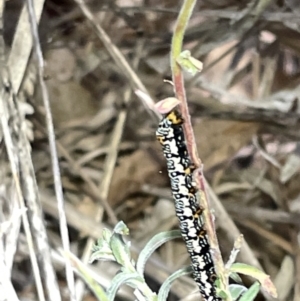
(101, 250)
(257, 274)
(121, 252)
(104, 255)
(251, 292)
(165, 288)
(152, 245)
(106, 235)
(189, 63)
(84, 273)
(235, 277)
(132, 279)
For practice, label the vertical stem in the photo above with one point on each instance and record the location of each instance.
(177, 76)
(179, 89)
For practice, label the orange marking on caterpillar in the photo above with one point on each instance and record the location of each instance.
(175, 118)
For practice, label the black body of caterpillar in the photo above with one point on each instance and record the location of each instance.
(170, 135)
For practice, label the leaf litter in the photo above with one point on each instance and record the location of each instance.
(248, 88)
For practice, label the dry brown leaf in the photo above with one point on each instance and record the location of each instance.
(218, 140)
(61, 64)
(290, 168)
(285, 278)
(132, 172)
(69, 100)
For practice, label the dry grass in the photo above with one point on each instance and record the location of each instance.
(246, 117)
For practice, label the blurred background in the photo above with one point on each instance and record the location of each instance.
(245, 113)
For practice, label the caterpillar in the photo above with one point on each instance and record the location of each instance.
(180, 170)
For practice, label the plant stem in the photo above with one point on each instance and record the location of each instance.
(177, 76)
(179, 90)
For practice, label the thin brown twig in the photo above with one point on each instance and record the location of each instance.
(226, 222)
(118, 131)
(115, 53)
(109, 167)
(274, 238)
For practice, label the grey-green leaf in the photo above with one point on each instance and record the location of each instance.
(121, 252)
(251, 292)
(189, 63)
(235, 277)
(165, 288)
(132, 279)
(102, 251)
(236, 290)
(106, 235)
(102, 255)
(152, 245)
(121, 228)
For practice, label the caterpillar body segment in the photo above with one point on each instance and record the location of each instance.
(180, 170)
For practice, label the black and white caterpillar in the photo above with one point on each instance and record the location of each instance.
(180, 169)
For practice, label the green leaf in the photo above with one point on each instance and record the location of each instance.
(84, 273)
(106, 235)
(132, 279)
(257, 274)
(121, 252)
(251, 292)
(105, 255)
(220, 292)
(235, 277)
(103, 242)
(152, 245)
(135, 281)
(102, 251)
(189, 63)
(166, 286)
(121, 228)
(236, 290)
